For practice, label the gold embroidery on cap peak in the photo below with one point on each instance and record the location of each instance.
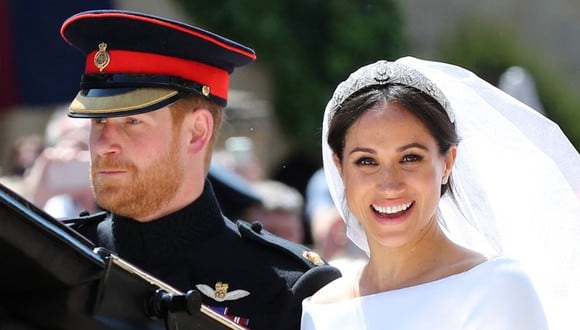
(102, 57)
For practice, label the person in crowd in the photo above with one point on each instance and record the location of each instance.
(243, 158)
(58, 178)
(233, 191)
(519, 83)
(21, 157)
(328, 229)
(23, 153)
(154, 90)
(467, 212)
(280, 211)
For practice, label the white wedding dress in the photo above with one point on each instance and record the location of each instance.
(496, 295)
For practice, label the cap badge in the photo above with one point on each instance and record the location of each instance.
(102, 57)
(205, 90)
(313, 257)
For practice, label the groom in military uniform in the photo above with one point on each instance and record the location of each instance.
(155, 90)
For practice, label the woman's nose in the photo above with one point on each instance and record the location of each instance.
(389, 179)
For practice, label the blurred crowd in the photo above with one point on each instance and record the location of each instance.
(52, 171)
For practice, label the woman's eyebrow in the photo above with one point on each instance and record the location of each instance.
(412, 145)
(361, 149)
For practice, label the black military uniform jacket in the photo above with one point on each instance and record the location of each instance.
(240, 270)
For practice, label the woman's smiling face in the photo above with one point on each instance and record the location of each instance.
(392, 172)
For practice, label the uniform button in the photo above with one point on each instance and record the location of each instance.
(257, 227)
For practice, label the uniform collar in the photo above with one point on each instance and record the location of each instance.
(166, 236)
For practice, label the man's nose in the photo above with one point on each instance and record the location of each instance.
(105, 140)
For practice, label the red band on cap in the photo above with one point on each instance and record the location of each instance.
(123, 61)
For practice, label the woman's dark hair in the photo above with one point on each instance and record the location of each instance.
(423, 106)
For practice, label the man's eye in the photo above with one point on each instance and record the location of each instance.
(133, 121)
(100, 120)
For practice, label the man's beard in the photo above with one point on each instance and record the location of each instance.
(143, 192)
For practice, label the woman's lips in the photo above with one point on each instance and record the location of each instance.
(392, 214)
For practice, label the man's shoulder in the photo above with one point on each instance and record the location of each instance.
(316, 272)
(308, 258)
(255, 233)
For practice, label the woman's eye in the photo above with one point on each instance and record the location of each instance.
(411, 158)
(133, 121)
(365, 161)
(100, 121)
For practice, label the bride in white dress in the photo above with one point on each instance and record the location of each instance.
(463, 198)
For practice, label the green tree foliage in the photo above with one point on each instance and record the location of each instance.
(308, 47)
(489, 51)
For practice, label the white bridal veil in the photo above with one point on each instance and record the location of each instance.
(516, 180)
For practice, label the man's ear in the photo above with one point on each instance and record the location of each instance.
(199, 129)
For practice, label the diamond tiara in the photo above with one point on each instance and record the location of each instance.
(383, 73)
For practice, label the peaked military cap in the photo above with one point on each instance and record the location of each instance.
(137, 63)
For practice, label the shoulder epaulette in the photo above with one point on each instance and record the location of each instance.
(256, 233)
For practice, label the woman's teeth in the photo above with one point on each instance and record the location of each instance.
(392, 209)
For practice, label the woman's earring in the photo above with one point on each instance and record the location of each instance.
(445, 180)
